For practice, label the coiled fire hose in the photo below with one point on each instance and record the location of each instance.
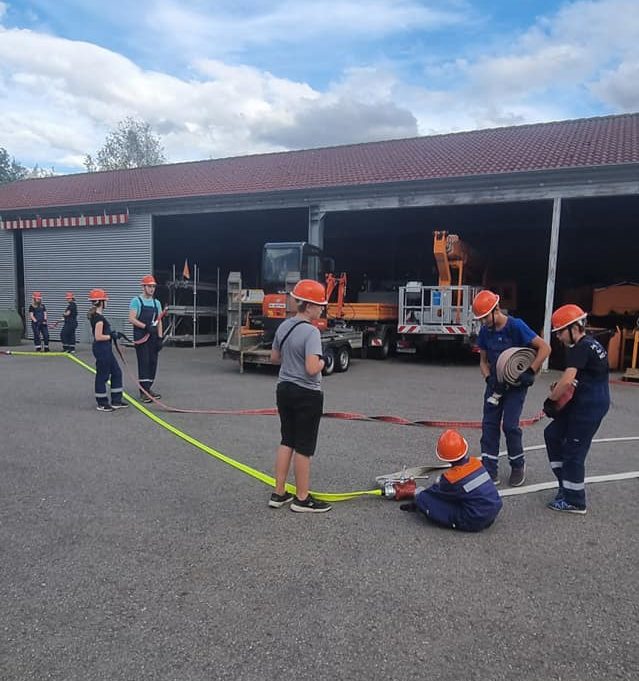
(512, 363)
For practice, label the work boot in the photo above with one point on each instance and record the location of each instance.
(495, 477)
(517, 476)
(563, 506)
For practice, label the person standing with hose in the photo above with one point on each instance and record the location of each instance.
(39, 322)
(499, 332)
(297, 347)
(106, 365)
(569, 436)
(70, 319)
(145, 316)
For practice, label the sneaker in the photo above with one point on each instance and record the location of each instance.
(495, 477)
(309, 505)
(279, 500)
(105, 407)
(517, 476)
(119, 405)
(156, 395)
(563, 505)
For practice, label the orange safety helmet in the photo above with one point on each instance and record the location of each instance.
(97, 294)
(566, 315)
(451, 446)
(37, 295)
(484, 303)
(310, 292)
(148, 280)
(69, 295)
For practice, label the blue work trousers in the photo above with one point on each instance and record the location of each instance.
(568, 439)
(107, 367)
(40, 330)
(67, 335)
(505, 414)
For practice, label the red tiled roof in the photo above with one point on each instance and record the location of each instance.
(604, 141)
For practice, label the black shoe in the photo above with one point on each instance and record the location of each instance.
(309, 505)
(156, 395)
(517, 476)
(46, 349)
(145, 398)
(105, 407)
(495, 477)
(38, 349)
(119, 405)
(279, 500)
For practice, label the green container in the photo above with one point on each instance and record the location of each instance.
(11, 327)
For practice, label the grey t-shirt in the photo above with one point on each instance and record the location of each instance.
(304, 340)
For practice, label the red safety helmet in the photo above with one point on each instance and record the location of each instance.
(148, 280)
(310, 292)
(37, 295)
(451, 446)
(97, 294)
(69, 295)
(566, 315)
(484, 303)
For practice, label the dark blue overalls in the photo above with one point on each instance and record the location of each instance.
(67, 335)
(39, 328)
(507, 412)
(147, 353)
(106, 366)
(569, 436)
(464, 498)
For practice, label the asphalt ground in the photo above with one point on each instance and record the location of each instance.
(127, 553)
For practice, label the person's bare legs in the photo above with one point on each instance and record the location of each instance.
(302, 468)
(282, 464)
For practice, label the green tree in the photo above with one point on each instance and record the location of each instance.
(131, 145)
(10, 169)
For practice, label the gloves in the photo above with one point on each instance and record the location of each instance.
(326, 358)
(550, 408)
(158, 344)
(116, 335)
(527, 378)
(491, 382)
(411, 507)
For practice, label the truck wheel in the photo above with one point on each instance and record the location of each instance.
(343, 358)
(329, 367)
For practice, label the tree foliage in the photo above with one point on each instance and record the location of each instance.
(131, 145)
(10, 169)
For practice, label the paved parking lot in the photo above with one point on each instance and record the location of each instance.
(129, 554)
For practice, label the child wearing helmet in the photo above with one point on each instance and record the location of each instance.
(569, 436)
(70, 318)
(464, 498)
(106, 365)
(500, 332)
(39, 323)
(297, 348)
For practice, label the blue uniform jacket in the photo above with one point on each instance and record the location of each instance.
(464, 498)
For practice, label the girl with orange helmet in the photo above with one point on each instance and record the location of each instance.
(569, 436)
(70, 319)
(106, 365)
(464, 498)
(145, 316)
(297, 348)
(39, 322)
(500, 332)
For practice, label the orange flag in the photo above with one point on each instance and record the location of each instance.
(186, 272)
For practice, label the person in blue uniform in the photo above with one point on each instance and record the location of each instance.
(464, 498)
(70, 319)
(106, 365)
(39, 323)
(145, 317)
(569, 436)
(499, 332)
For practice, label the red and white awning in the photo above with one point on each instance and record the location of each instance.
(72, 221)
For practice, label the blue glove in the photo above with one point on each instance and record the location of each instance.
(527, 378)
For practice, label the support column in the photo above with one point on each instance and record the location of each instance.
(316, 226)
(552, 270)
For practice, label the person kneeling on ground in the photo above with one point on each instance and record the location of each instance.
(464, 498)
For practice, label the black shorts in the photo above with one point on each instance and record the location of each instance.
(300, 412)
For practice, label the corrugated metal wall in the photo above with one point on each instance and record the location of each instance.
(81, 258)
(8, 279)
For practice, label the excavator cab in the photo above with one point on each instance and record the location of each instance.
(281, 262)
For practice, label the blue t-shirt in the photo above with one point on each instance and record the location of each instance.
(147, 302)
(515, 334)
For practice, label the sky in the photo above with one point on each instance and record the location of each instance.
(236, 77)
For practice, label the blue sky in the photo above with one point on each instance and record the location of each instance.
(248, 76)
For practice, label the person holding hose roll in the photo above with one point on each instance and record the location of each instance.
(569, 436)
(297, 348)
(145, 315)
(499, 332)
(106, 365)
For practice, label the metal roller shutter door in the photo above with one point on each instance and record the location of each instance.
(8, 294)
(57, 260)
